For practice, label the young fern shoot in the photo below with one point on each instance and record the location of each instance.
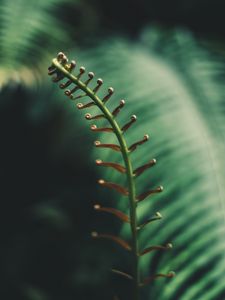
(75, 88)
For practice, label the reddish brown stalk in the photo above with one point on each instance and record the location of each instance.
(114, 186)
(113, 238)
(119, 214)
(115, 166)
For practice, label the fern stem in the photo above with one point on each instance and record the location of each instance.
(129, 170)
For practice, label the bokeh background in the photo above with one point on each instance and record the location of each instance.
(167, 59)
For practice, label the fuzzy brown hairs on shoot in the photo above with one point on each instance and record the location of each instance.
(61, 69)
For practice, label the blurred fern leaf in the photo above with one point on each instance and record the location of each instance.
(28, 30)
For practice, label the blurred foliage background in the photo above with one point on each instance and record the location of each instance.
(167, 59)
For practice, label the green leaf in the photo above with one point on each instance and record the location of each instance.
(175, 86)
(28, 30)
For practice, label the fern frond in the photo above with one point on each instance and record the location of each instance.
(61, 69)
(179, 89)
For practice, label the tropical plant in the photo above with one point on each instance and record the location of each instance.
(178, 85)
(63, 69)
(174, 82)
